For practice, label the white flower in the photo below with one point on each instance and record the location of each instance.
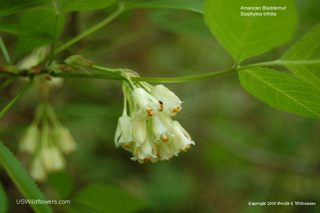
(146, 152)
(165, 151)
(182, 138)
(124, 131)
(149, 132)
(65, 140)
(161, 127)
(139, 130)
(145, 104)
(52, 158)
(30, 140)
(170, 103)
(34, 58)
(37, 170)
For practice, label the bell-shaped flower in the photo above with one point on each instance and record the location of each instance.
(145, 104)
(146, 152)
(182, 138)
(37, 171)
(29, 140)
(124, 131)
(139, 131)
(170, 103)
(64, 140)
(166, 151)
(52, 158)
(161, 127)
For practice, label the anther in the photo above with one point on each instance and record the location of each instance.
(161, 106)
(165, 139)
(149, 111)
(146, 160)
(177, 109)
(185, 149)
(127, 146)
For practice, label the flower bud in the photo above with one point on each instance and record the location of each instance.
(52, 159)
(139, 130)
(34, 58)
(37, 170)
(29, 140)
(65, 140)
(124, 131)
(182, 137)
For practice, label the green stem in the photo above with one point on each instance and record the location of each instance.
(54, 33)
(9, 105)
(107, 70)
(186, 78)
(4, 51)
(166, 80)
(52, 116)
(92, 76)
(94, 28)
(7, 82)
(117, 73)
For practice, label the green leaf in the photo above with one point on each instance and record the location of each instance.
(282, 91)
(62, 183)
(107, 198)
(78, 5)
(245, 36)
(193, 24)
(39, 20)
(20, 30)
(21, 179)
(192, 5)
(3, 200)
(304, 58)
(13, 6)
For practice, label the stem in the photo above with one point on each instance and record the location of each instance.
(9, 105)
(94, 28)
(4, 51)
(93, 76)
(124, 90)
(39, 113)
(7, 82)
(107, 70)
(116, 73)
(167, 80)
(54, 33)
(52, 116)
(186, 78)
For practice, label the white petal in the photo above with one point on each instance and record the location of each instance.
(66, 141)
(139, 131)
(170, 101)
(37, 170)
(182, 140)
(165, 151)
(144, 100)
(126, 128)
(29, 140)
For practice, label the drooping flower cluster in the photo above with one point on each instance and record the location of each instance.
(46, 139)
(149, 132)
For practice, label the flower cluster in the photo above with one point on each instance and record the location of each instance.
(46, 140)
(149, 132)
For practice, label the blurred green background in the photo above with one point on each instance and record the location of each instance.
(245, 150)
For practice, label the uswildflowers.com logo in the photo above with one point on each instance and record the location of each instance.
(39, 201)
